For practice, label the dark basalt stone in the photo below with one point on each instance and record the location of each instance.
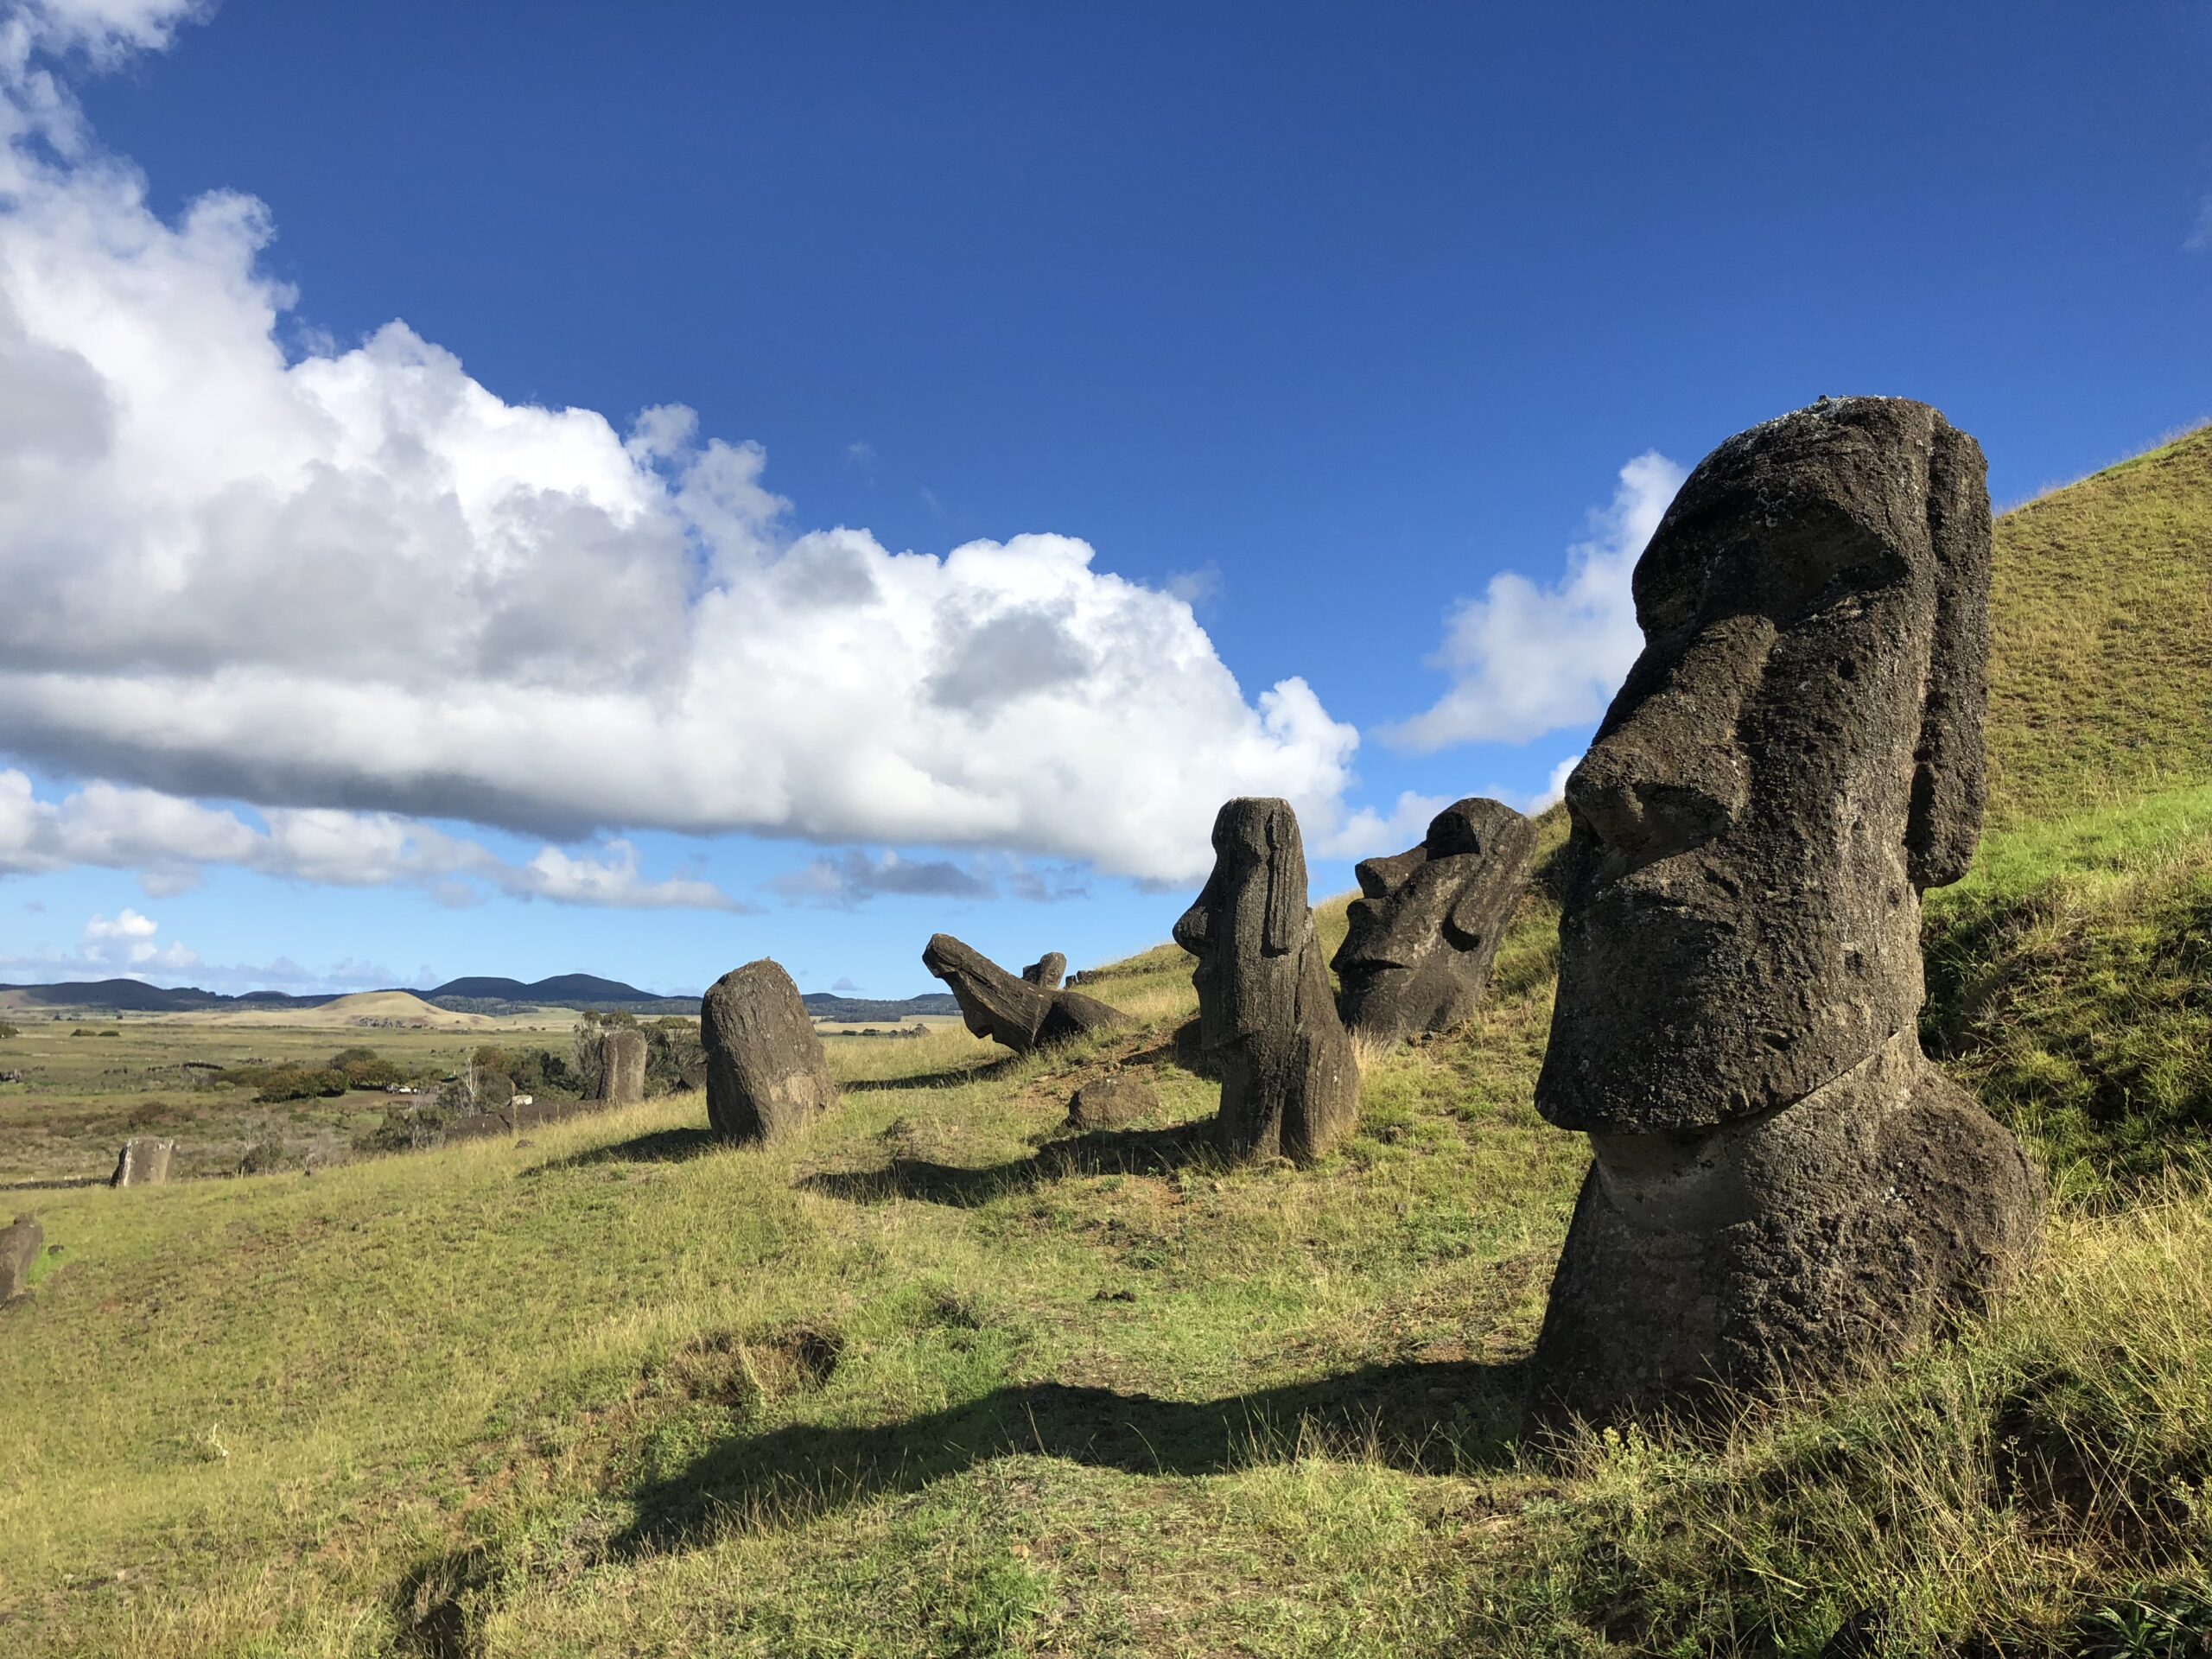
(1045, 973)
(142, 1162)
(766, 1075)
(1426, 927)
(1108, 1102)
(20, 1244)
(1010, 1010)
(618, 1065)
(1784, 1188)
(1267, 1022)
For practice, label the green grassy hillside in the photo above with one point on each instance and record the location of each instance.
(940, 1377)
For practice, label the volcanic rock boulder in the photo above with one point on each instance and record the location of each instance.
(766, 1072)
(1109, 1102)
(20, 1244)
(1011, 1011)
(142, 1162)
(1785, 1189)
(1426, 927)
(1044, 972)
(1267, 1023)
(618, 1065)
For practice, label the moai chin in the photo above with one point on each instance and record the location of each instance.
(1784, 1188)
(1425, 929)
(1267, 1022)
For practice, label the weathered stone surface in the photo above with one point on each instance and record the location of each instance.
(142, 1162)
(1290, 1084)
(1188, 1045)
(1109, 1102)
(766, 1075)
(1045, 973)
(618, 1065)
(1784, 1187)
(20, 1244)
(1011, 1011)
(1426, 927)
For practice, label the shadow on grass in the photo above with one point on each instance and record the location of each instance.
(952, 1076)
(1101, 1152)
(658, 1146)
(1426, 1419)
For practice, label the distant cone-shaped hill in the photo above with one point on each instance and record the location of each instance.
(2101, 655)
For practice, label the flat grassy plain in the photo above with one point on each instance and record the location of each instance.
(940, 1377)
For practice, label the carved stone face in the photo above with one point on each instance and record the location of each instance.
(1426, 927)
(994, 1004)
(1248, 922)
(1796, 754)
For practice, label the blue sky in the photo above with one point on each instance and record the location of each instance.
(1242, 350)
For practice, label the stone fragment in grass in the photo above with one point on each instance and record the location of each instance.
(1785, 1189)
(1426, 927)
(1010, 1010)
(766, 1075)
(143, 1161)
(1110, 1102)
(1267, 1022)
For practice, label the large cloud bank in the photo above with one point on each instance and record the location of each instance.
(360, 582)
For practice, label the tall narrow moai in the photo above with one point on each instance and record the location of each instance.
(1425, 930)
(21, 1242)
(621, 1066)
(1016, 1011)
(766, 1075)
(1267, 1022)
(143, 1161)
(1785, 1188)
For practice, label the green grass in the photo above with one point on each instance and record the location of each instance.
(939, 1377)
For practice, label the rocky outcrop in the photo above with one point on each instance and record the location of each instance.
(1267, 1022)
(766, 1075)
(1425, 929)
(1784, 1188)
(1110, 1102)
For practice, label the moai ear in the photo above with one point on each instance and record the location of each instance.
(1462, 921)
(1285, 926)
(1948, 782)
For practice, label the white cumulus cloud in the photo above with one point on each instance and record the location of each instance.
(359, 581)
(1526, 660)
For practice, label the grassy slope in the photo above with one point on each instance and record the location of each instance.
(936, 1379)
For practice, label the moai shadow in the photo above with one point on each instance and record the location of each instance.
(1785, 1188)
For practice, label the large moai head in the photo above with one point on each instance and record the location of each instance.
(1783, 1188)
(1426, 927)
(1267, 1022)
(1794, 758)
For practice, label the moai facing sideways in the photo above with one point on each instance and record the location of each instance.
(1426, 927)
(1267, 1022)
(1016, 1012)
(1785, 1188)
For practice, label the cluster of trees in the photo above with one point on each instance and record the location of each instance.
(503, 1073)
(348, 1069)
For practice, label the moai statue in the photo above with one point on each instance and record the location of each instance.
(1290, 1085)
(766, 1075)
(1426, 927)
(1045, 973)
(20, 1244)
(618, 1065)
(1785, 1188)
(142, 1162)
(1017, 1012)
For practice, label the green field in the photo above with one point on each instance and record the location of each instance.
(938, 1378)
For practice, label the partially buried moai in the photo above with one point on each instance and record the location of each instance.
(1785, 1189)
(1425, 929)
(766, 1075)
(618, 1065)
(143, 1161)
(20, 1244)
(1046, 971)
(1267, 1022)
